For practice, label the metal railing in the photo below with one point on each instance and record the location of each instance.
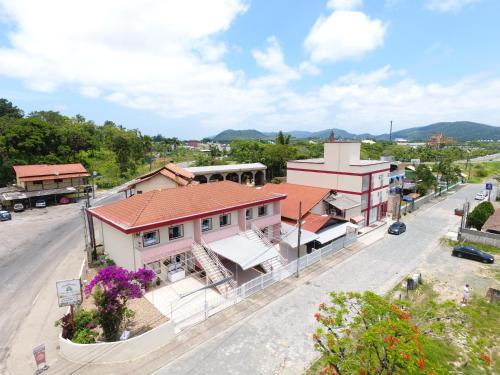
(215, 258)
(266, 241)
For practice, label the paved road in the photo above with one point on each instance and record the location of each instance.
(32, 245)
(277, 338)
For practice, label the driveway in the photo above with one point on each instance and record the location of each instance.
(277, 338)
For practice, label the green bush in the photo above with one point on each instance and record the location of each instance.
(480, 214)
(276, 181)
(85, 336)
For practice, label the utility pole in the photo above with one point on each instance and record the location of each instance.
(298, 237)
(390, 133)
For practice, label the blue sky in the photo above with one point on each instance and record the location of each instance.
(190, 69)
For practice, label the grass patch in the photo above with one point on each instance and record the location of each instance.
(481, 171)
(487, 248)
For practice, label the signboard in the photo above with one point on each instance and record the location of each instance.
(489, 186)
(69, 292)
(94, 173)
(39, 354)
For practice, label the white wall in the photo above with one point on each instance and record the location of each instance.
(155, 183)
(120, 247)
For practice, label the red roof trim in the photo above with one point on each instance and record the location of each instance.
(341, 173)
(162, 223)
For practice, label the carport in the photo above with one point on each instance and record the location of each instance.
(29, 198)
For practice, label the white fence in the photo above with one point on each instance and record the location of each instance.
(186, 314)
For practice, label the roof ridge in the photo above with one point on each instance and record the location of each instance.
(154, 192)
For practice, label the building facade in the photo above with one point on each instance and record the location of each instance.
(248, 174)
(341, 170)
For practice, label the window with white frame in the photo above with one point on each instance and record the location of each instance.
(206, 224)
(249, 213)
(176, 232)
(262, 210)
(150, 238)
(224, 220)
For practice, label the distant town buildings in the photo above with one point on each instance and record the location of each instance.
(438, 140)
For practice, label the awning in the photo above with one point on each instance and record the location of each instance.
(290, 234)
(329, 234)
(357, 219)
(341, 202)
(243, 251)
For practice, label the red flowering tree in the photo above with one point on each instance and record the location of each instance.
(366, 334)
(111, 288)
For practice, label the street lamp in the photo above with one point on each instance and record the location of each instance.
(94, 174)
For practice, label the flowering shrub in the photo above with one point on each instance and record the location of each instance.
(111, 288)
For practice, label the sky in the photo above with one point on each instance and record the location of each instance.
(192, 68)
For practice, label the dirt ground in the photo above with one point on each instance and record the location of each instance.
(450, 274)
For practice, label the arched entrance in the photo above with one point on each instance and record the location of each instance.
(259, 178)
(246, 178)
(201, 179)
(233, 177)
(216, 177)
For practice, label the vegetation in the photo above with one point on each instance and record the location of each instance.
(425, 179)
(49, 137)
(480, 214)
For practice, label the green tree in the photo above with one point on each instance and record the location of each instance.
(366, 334)
(9, 110)
(425, 179)
(282, 139)
(480, 214)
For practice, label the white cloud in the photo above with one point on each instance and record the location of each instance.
(344, 4)
(344, 35)
(448, 5)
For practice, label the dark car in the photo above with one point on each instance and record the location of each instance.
(18, 207)
(397, 228)
(470, 252)
(5, 215)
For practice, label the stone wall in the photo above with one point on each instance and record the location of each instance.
(470, 235)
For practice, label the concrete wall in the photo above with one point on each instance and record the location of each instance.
(119, 351)
(479, 237)
(52, 184)
(120, 247)
(155, 183)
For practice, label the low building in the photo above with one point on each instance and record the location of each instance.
(166, 177)
(438, 140)
(363, 181)
(492, 225)
(249, 173)
(225, 231)
(324, 216)
(49, 182)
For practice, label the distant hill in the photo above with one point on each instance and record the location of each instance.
(459, 130)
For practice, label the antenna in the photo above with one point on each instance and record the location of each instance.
(390, 133)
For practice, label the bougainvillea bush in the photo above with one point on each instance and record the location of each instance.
(366, 334)
(111, 288)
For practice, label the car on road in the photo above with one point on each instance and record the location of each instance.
(480, 196)
(40, 204)
(470, 252)
(18, 207)
(397, 228)
(5, 215)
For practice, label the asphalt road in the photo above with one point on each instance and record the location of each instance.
(277, 338)
(31, 247)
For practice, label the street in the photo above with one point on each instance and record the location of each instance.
(32, 246)
(277, 338)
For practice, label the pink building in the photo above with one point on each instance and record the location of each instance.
(363, 181)
(223, 230)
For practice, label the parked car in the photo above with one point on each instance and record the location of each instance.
(64, 200)
(40, 204)
(470, 252)
(397, 228)
(5, 215)
(480, 196)
(18, 207)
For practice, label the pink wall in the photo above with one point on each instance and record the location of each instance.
(172, 248)
(197, 230)
(266, 221)
(221, 233)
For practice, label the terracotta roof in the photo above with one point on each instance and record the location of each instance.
(172, 171)
(49, 171)
(493, 222)
(313, 222)
(164, 207)
(308, 195)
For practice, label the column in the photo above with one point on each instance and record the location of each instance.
(239, 177)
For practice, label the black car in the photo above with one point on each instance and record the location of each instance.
(397, 228)
(470, 252)
(5, 215)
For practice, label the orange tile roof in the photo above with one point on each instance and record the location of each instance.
(308, 195)
(314, 223)
(172, 171)
(49, 171)
(163, 207)
(493, 222)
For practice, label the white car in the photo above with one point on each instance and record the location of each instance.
(480, 196)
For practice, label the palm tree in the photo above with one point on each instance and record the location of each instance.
(282, 139)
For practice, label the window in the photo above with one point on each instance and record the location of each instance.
(249, 214)
(58, 180)
(262, 210)
(150, 238)
(175, 232)
(206, 224)
(224, 220)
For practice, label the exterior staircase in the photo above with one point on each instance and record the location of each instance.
(255, 234)
(213, 267)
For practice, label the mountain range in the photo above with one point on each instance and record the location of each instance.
(459, 130)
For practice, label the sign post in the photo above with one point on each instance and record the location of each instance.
(69, 292)
(39, 354)
(489, 188)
